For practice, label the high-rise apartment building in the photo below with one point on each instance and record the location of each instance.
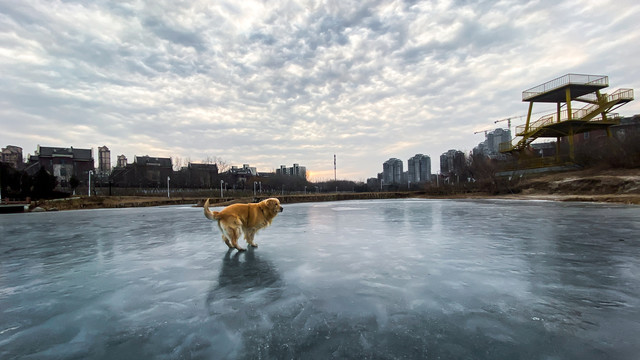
(419, 168)
(496, 137)
(122, 161)
(104, 160)
(392, 171)
(295, 170)
(452, 163)
(491, 145)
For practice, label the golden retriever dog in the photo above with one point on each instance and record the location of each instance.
(243, 218)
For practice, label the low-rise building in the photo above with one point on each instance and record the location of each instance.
(238, 176)
(145, 172)
(63, 163)
(201, 175)
(153, 171)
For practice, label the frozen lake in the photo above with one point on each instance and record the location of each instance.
(387, 279)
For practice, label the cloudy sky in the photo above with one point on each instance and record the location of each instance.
(283, 82)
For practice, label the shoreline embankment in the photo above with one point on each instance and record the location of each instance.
(106, 202)
(621, 186)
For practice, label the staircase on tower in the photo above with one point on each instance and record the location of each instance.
(566, 120)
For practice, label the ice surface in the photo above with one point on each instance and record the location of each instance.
(387, 279)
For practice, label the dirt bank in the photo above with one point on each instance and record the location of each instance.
(595, 185)
(101, 202)
(599, 185)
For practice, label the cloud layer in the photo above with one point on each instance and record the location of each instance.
(270, 83)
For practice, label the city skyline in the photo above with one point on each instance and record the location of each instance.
(103, 159)
(103, 156)
(268, 83)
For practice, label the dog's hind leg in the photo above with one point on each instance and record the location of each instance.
(226, 241)
(231, 232)
(235, 235)
(225, 238)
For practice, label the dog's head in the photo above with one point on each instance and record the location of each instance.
(273, 205)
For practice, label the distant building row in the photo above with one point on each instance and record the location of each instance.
(452, 163)
(145, 171)
(295, 170)
(419, 171)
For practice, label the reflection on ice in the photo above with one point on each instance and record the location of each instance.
(245, 282)
(359, 279)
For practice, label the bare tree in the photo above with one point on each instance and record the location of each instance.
(177, 163)
(220, 163)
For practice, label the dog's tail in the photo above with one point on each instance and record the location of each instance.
(211, 215)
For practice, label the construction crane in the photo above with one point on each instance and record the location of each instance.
(484, 131)
(508, 120)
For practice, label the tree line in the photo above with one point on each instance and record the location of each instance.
(16, 184)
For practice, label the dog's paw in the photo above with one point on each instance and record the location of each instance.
(254, 245)
(241, 249)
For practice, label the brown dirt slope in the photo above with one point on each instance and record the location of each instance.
(607, 185)
(99, 202)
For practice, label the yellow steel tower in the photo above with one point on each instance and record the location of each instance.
(567, 121)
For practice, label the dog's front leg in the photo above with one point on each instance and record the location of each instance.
(248, 235)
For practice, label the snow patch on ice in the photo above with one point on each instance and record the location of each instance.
(345, 208)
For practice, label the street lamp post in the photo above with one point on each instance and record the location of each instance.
(90, 173)
(168, 193)
(221, 182)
